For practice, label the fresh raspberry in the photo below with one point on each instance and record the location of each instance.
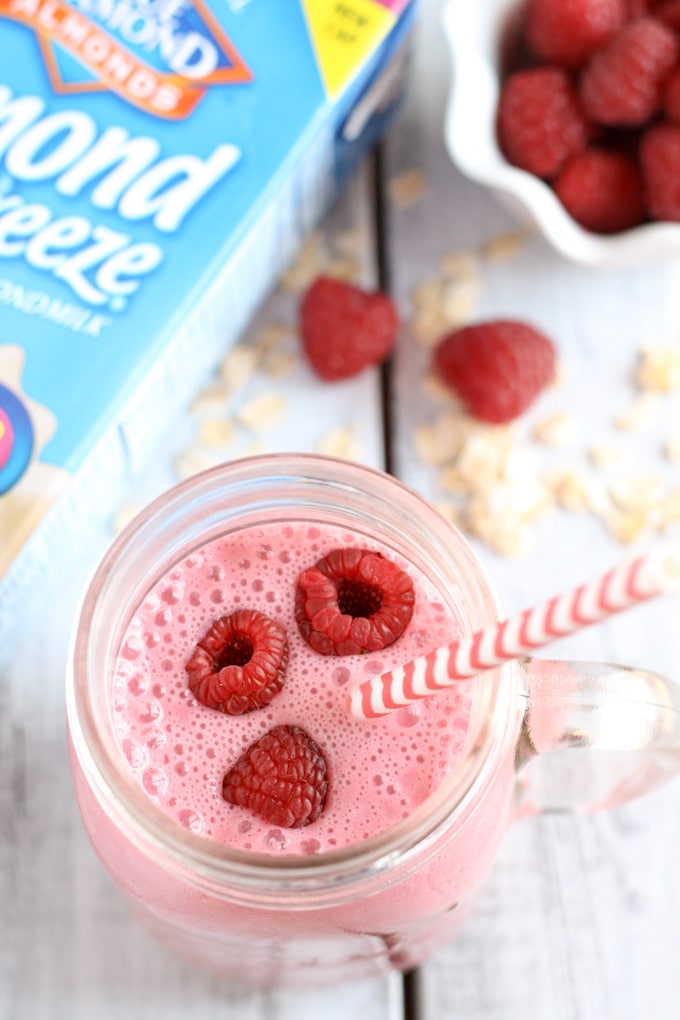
(240, 662)
(539, 123)
(669, 13)
(282, 778)
(497, 368)
(671, 96)
(602, 190)
(660, 163)
(345, 329)
(353, 601)
(622, 84)
(639, 8)
(567, 32)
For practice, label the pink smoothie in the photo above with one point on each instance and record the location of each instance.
(179, 749)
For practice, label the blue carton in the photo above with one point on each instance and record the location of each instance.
(160, 163)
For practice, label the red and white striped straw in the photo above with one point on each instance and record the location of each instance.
(655, 573)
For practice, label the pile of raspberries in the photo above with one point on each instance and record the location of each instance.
(591, 104)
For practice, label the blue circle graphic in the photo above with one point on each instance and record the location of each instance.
(22, 448)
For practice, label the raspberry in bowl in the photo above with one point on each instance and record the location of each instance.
(569, 100)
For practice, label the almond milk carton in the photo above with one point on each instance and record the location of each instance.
(160, 163)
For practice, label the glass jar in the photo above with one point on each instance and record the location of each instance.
(388, 901)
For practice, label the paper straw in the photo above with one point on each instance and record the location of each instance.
(655, 573)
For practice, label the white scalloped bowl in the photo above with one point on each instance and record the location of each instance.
(475, 31)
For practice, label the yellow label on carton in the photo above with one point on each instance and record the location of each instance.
(344, 34)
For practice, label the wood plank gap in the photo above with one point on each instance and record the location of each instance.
(412, 995)
(384, 281)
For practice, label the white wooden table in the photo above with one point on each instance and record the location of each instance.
(581, 916)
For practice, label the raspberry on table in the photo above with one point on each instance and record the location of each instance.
(282, 778)
(602, 190)
(660, 163)
(240, 662)
(621, 85)
(345, 329)
(497, 368)
(353, 601)
(567, 32)
(539, 122)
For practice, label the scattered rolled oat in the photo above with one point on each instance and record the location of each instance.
(659, 369)
(216, 432)
(238, 367)
(427, 294)
(312, 259)
(440, 441)
(627, 526)
(192, 460)
(575, 490)
(482, 461)
(273, 336)
(638, 414)
(460, 299)
(631, 508)
(262, 411)
(442, 304)
(493, 477)
(507, 245)
(340, 442)
(341, 257)
(436, 389)
(407, 187)
(460, 265)
(350, 243)
(504, 515)
(345, 269)
(427, 327)
(279, 364)
(556, 429)
(669, 510)
(637, 493)
(212, 399)
(126, 512)
(605, 454)
(671, 448)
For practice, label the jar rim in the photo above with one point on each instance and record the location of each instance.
(209, 862)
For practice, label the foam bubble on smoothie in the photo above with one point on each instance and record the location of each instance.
(179, 749)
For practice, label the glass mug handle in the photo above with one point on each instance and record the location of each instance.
(593, 735)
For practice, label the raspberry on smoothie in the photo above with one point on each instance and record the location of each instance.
(240, 662)
(353, 601)
(282, 778)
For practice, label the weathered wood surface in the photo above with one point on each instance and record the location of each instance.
(579, 919)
